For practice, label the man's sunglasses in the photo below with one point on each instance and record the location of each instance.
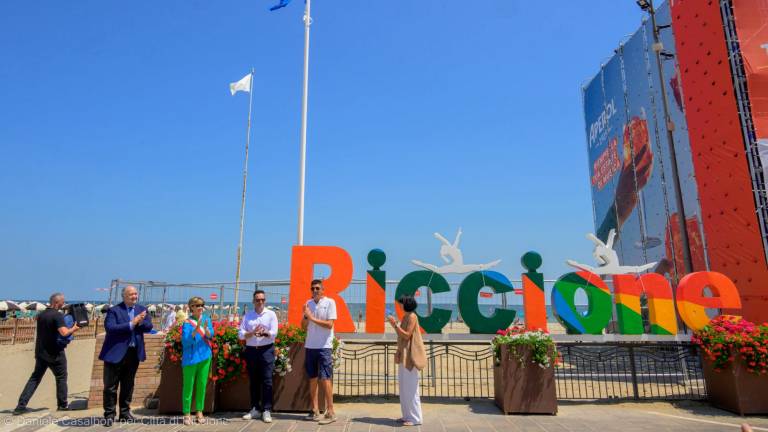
(316, 288)
(259, 300)
(198, 305)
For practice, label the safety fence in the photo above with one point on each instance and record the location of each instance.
(588, 371)
(464, 369)
(22, 330)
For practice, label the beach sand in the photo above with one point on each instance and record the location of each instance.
(18, 361)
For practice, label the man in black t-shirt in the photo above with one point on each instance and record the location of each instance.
(49, 354)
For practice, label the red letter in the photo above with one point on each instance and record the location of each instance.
(303, 261)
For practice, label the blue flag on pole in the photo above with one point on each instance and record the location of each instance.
(283, 3)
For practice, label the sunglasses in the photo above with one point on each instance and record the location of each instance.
(316, 288)
(198, 305)
(259, 300)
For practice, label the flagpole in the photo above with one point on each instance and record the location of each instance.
(303, 150)
(242, 202)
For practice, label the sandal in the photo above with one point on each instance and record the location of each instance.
(200, 419)
(187, 420)
(409, 423)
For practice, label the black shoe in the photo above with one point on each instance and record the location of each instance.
(127, 417)
(108, 421)
(20, 410)
(63, 408)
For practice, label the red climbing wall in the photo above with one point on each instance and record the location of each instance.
(717, 145)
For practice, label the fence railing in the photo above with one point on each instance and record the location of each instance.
(22, 330)
(589, 371)
(464, 369)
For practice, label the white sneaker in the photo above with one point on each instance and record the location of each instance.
(253, 414)
(267, 417)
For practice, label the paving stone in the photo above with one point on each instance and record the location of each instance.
(472, 416)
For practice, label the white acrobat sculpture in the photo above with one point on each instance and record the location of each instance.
(454, 260)
(607, 259)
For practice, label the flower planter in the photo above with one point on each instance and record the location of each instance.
(234, 395)
(523, 388)
(290, 392)
(169, 391)
(736, 390)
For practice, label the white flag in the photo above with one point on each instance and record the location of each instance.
(243, 85)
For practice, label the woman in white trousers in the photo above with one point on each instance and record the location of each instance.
(410, 358)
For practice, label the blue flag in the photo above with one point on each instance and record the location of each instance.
(283, 3)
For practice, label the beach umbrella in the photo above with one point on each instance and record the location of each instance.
(9, 306)
(36, 306)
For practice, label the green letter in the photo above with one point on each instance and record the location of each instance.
(470, 309)
(411, 282)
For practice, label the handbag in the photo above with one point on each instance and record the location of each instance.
(416, 348)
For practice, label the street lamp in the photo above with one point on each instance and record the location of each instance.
(658, 47)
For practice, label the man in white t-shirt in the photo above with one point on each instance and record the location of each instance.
(319, 315)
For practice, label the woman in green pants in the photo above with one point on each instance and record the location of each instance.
(196, 336)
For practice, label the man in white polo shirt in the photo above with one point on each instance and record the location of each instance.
(258, 329)
(319, 315)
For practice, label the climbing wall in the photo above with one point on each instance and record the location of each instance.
(718, 148)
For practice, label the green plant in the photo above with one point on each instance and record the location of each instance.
(287, 335)
(542, 348)
(726, 337)
(173, 348)
(227, 362)
(336, 352)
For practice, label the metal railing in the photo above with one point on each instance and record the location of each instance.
(464, 369)
(22, 330)
(589, 371)
(624, 370)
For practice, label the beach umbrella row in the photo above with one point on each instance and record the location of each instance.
(9, 306)
(12, 306)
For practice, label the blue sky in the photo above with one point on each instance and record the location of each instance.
(122, 148)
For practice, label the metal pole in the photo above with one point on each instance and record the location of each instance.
(670, 126)
(303, 149)
(245, 182)
(221, 302)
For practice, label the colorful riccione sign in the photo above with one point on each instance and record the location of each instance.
(661, 307)
(691, 304)
(598, 297)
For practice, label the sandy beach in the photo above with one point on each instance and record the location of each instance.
(18, 362)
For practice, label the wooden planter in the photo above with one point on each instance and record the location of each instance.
(523, 388)
(289, 393)
(292, 390)
(736, 390)
(234, 395)
(169, 391)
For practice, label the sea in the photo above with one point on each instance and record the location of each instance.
(357, 309)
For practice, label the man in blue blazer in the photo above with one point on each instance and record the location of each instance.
(122, 351)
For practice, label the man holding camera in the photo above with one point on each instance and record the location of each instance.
(49, 354)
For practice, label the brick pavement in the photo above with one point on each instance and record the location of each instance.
(448, 416)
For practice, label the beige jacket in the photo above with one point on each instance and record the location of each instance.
(411, 352)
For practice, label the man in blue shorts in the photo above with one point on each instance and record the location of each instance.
(319, 315)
